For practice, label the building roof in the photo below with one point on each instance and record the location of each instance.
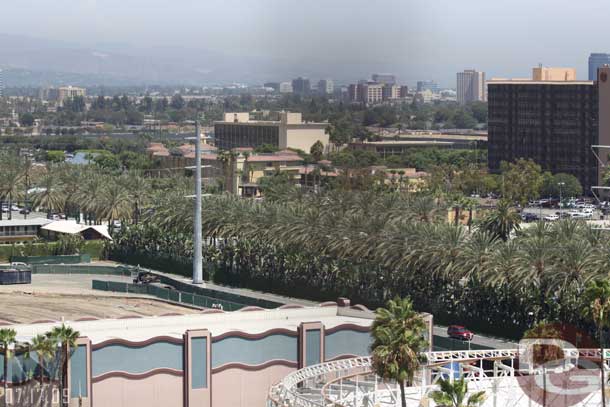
(532, 82)
(70, 227)
(262, 158)
(25, 222)
(248, 321)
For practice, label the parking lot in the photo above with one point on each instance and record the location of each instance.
(540, 212)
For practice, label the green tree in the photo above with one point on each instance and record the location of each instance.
(566, 185)
(65, 338)
(521, 180)
(501, 221)
(454, 394)
(596, 300)
(398, 343)
(7, 340)
(317, 150)
(44, 348)
(55, 156)
(26, 119)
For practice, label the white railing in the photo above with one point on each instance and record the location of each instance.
(331, 383)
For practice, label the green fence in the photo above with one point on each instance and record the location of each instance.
(80, 269)
(168, 294)
(71, 259)
(217, 294)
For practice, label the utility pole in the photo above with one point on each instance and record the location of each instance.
(197, 240)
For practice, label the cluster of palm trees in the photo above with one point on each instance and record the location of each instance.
(52, 350)
(89, 191)
(372, 246)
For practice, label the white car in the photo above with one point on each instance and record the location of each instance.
(581, 215)
(587, 210)
(551, 218)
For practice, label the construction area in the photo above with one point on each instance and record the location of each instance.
(53, 297)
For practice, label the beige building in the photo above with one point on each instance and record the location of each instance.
(290, 131)
(471, 86)
(553, 74)
(372, 92)
(63, 93)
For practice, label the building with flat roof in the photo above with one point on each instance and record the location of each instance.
(541, 73)
(205, 358)
(301, 86)
(596, 61)
(554, 123)
(285, 87)
(471, 86)
(326, 86)
(428, 85)
(384, 78)
(404, 143)
(63, 93)
(21, 230)
(290, 131)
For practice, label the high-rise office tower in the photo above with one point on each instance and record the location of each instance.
(553, 123)
(427, 85)
(597, 60)
(471, 86)
(301, 86)
(326, 86)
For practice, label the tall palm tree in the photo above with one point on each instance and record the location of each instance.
(502, 221)
(398, 343)
(8, 338)
(115, 203)
(45, 349)
(50, 195)
(65, 338)
(597, 308)
(454, 394)
(11, 176)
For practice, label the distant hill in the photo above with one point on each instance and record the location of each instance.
(38, 61)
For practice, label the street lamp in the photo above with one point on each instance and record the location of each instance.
(560, 184)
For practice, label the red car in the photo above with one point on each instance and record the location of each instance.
(459, 332)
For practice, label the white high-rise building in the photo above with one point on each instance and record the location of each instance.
(471, 86)
(326, 86)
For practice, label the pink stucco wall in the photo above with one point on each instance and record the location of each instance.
(160, 390)
(240, 388)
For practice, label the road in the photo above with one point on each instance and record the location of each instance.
(442, 342)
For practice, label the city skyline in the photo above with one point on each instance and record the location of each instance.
(439, 40)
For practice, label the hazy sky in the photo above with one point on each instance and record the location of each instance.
(416, 39)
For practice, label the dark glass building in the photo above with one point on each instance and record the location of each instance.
(553, 123)
(597, 60)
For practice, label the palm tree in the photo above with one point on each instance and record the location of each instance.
(50, 196)
(597, 308)
(10, 180)
(7, 340)
(65, 338)
(44, 348)
(502, 221)
(115, 203)
(454, 394)
(398, 343)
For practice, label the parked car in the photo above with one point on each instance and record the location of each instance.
(551, 218)
(587, 209)
(459, 332)
(581, 215)
(529, 217)
(25, 211)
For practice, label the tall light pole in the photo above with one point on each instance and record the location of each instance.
(197, 240)
(560, 184)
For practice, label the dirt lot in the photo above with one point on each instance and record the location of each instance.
(51, 297)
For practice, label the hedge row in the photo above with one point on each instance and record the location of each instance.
(94, 248)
